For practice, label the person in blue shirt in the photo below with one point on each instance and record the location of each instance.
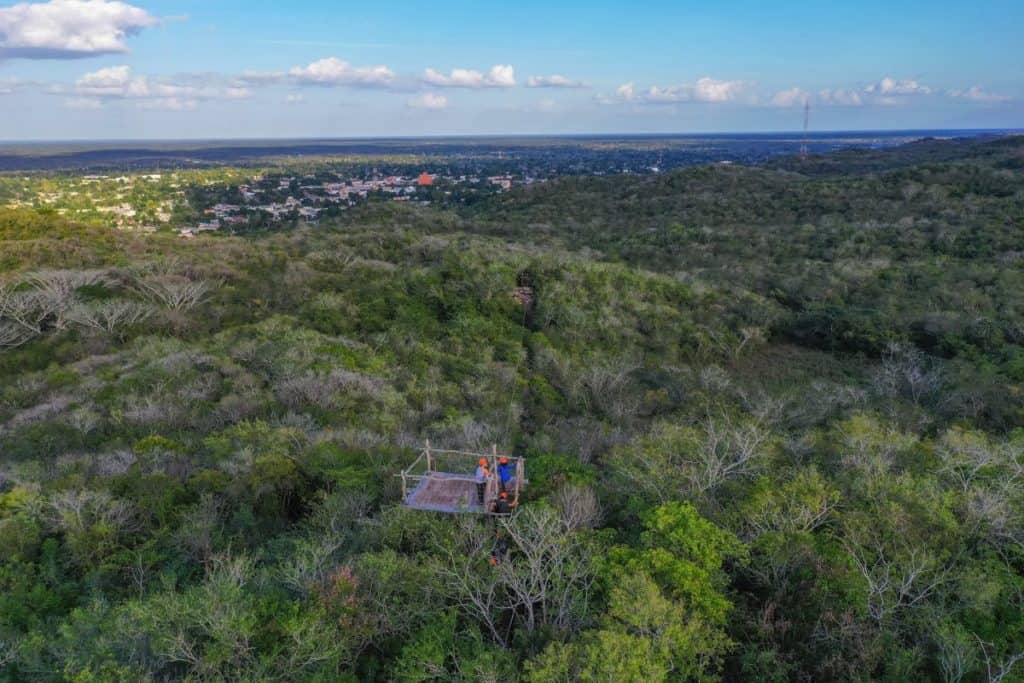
(504, 474)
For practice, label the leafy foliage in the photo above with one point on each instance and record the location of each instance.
(772, 418)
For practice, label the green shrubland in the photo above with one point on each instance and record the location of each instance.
(773, 422)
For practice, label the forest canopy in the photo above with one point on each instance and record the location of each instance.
(772, 418)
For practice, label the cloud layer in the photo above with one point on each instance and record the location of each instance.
(187, 91)
(69, 29)
(119, 83)
(890, 86)
(552, 81)
(794, 97)
(500, 76)
(337, 72)
(888, 91)
(841, 97)
(977, 94)
(706, 89)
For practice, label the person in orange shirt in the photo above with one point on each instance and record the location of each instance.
(482, 474)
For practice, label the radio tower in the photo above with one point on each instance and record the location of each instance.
(807, 120)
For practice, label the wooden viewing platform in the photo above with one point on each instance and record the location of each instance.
(445, 480)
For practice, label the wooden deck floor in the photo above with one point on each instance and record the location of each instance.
(444, 493)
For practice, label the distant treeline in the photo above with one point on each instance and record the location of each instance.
(667, 151)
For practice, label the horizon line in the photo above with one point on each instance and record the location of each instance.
(478, 136)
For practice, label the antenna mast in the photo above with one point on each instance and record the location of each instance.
(807, 120)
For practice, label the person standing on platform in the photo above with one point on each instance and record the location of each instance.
(482, 473)
(504, 474)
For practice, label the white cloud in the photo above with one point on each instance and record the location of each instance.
(119, 83)
(668, 94)
(110, 77)
(976, 94)
(294, 98)
(840, 97)
(794, 97)
(113, 81)
(890, 92)
(886, 92)
(68, 29)
(552, 81)
(500, 76)
(429, 101)
(337, 72)
(890, 86)
(710, 90)
(706, 89)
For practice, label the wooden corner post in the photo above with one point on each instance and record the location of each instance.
(520, 472)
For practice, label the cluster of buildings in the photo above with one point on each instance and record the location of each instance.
(219, 200)
(132, 202)
(308, 197)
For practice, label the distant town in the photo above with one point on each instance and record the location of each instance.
(192, 202)
(279, 198)
(249, 189)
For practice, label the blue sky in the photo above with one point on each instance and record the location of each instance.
(103, 69)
